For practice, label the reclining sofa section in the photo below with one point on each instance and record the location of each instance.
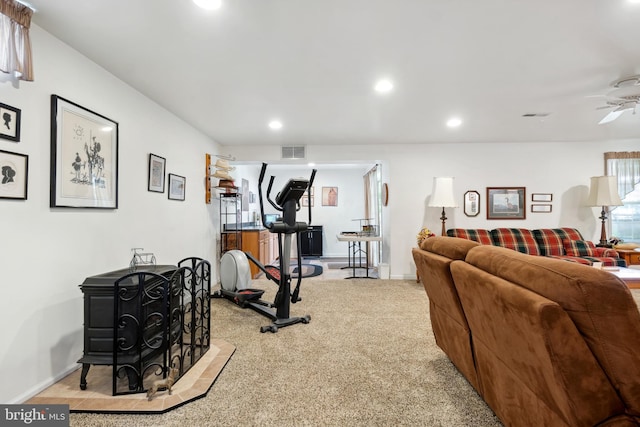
(544, 342)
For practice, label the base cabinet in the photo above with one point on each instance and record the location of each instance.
(260, 244)
(311, 241)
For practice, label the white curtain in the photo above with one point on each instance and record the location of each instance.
(372, 210)
(626, 166)
(15, 44)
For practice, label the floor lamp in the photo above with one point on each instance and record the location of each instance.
(442, 197)
(603, 193)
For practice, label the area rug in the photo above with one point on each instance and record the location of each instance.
(97, 398)
(308, 270)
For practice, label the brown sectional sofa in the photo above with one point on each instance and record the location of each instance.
(544, 342)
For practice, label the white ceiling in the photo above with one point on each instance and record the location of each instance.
(313, 64)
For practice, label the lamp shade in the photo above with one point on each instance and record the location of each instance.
(604, 191)
(442, 195)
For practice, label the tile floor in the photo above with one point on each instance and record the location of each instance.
(97, 397)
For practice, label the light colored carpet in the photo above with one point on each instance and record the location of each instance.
(367, 358)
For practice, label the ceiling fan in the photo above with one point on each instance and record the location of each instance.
(624, 96)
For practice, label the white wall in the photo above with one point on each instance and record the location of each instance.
(46, 253)
(560, 168)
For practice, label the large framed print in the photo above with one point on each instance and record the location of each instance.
(15, 175)
(84, 157)
(157, 166)
(10, 123)
(506, 203)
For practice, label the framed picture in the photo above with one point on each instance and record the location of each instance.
(308, 191)
(506, 203)
(15, 174)
(177, 186)
(84, 157)
(541, 208)
(157, 167)
(541, 197)
(305, 201)
(10, 123)
(471, 203)
(245, 195)
(329, 196)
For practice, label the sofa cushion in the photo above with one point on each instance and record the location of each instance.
(598, 303)
(476, 234)
(550, 239)
(578, 247)
(518, 239)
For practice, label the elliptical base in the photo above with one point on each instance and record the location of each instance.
(281, 323)
(262, 307)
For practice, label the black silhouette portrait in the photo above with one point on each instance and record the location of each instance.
(7, 174)
(7, 120)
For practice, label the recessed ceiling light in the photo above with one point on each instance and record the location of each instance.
(383, 86)
(275, 124)
(454, 122)
(209, 4)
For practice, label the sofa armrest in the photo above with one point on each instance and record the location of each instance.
(606, 252)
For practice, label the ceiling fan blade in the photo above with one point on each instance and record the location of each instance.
(611, 116)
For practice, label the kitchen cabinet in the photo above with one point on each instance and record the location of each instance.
(262, 245)
(311, 241)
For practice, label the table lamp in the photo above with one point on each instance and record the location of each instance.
(603, 193)
(443, 197)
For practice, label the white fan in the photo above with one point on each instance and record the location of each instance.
(624, 96)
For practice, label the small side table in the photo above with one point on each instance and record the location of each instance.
(630, 256)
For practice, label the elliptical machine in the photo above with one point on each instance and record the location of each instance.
(235, 276)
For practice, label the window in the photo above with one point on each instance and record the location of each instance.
(625, 220)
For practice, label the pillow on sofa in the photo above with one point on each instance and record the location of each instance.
(579, 247)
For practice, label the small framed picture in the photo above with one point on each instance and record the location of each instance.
(15, 174)
(157, 167)
(329, 196)
(540, 208)
(541, 197)
(471, 203)
(506, 203)
(177, 186)
(9, 123)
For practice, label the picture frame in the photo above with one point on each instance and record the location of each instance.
(541, 197)
(177, 187)
(15, 175)
(245, 195)
(84, 157)
(541, 208)
(10, 122)
(471, 203)
(506, 203)
(157, 168)
(329, 196)
(305, 201)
